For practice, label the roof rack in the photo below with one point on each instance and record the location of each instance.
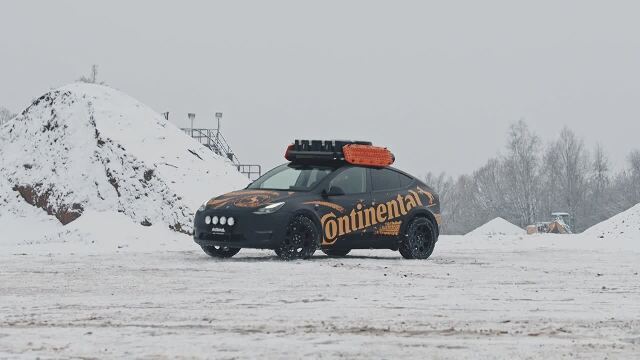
(353, 152)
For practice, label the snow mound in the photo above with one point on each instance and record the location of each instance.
(623, 228)
(497, 226)
(91, 149)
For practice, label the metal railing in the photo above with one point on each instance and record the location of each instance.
(252, 171)
(213, 139)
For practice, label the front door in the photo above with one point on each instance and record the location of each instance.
(344, 227)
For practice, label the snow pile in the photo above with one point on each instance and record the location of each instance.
(87, 148)
(623, 228)
(497, 226)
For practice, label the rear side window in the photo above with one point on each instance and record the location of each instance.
(405, 180)
(351, 181)
(386, 179)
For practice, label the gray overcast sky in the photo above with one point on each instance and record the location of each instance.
(437, 82)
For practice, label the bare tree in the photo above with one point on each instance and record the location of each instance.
(444, 186)
(571, 170)
(599, 171)
(634, 174)
(5, 115)
(521, 166)
(93, 76)
(490, 186)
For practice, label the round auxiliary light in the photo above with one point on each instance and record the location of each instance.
(214, 220)
(223, 220)
(231, 221)
(207, 220)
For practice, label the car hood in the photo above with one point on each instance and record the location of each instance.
(249, 199)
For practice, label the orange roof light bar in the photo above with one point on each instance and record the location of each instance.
(367, 155)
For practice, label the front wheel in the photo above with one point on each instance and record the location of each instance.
(301, 239)
(219, 251)
(419, 239)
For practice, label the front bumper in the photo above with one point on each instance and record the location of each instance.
(250, 230)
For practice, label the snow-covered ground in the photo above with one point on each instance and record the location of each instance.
(477, 297)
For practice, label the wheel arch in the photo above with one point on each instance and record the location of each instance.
(420, 212)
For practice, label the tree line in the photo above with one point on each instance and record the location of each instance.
(531, 180)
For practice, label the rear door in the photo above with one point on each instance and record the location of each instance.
(388, 191)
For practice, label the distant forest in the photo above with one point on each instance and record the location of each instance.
(531, 180)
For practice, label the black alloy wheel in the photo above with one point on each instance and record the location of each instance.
(419, 239)
(301, 239)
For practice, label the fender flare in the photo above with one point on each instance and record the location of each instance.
(313, 216)
(424, 212)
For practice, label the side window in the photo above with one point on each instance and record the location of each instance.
(351, 181)
(385, 179)
(405, 180)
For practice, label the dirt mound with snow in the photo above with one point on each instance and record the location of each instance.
(621, 228)
(87, 148)
(497, 226)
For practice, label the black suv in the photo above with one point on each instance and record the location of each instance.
(332, 195)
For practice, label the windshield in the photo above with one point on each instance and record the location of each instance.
(292, 177)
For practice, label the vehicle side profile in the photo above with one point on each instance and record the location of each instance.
(332, 195)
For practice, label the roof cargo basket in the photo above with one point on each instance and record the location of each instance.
(353, 152)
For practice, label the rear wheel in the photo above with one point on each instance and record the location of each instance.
(419, 239)
(336, 252)
(301, 239)
(220, 251)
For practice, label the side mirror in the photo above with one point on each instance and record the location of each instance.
(333, 191)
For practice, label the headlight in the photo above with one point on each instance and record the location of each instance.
(223, 220)
(207, 220)
(203, 206)
(231, 221)
(214, 220)
(269, 208)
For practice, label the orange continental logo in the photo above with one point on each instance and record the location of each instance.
(360, 218)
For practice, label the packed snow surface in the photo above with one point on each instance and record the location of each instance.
(88, 149)
(543, 296)
(497, 226)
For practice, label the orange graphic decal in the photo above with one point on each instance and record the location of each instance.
(427, 194)
(245, 198)
(391, 228)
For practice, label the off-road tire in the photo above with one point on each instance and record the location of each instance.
(301, 239)
(419, 239)
(336, 252)
(220, 252)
